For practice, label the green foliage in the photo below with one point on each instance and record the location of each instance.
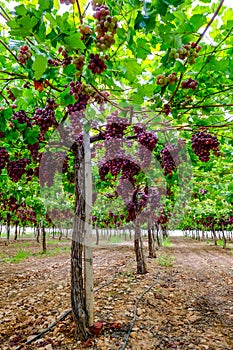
(18, 257)
(165, 260)
(166, 242)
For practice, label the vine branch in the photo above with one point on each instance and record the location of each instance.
(79, 11)
(210, 22)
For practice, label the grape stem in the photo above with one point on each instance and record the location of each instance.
(13, 74)
(79, 12)
(6, 16)
(210, 22)
(5, 98)
(107, 99)
(8, 49)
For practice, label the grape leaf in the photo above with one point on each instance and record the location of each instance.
(39, 66)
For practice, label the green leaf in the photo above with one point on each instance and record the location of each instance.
(31, 135)
(131, 68)
(39, 66)
(74, 41)
(46, 4)
(197, 21)
(20, 10)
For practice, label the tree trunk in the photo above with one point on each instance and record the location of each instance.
(214, 235)
(16, 232)
(224, 238)
(38, 234)
(43, 239)
(78, 282)
(97, 235)
(151, 246)
(139, 249)
(8, 228)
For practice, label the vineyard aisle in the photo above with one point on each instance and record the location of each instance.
(190, 307)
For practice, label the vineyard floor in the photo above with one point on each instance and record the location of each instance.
(190, 307)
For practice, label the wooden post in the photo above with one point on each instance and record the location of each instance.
(88, 257)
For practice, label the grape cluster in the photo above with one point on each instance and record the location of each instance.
(166, 109)
(10, 94)
(80, 105)
(189, 84)
(34, 150)
(146, 139)
(22, 118)
(67, 2)
(4, 157)
(66, 58)
(82, 95)
(16, 168)
(85, 30)
(48, 166)
(76, 89)
(105, 27)
(1, 134)
(170, 158)
(45, 117)
(96, 64)
(51, 163)
(163, 80)
(116, 126)
(53, 62)
(12, 203)
(100, 99)
(203, 143)
(189, 51)
(79, 62)
(24, 54)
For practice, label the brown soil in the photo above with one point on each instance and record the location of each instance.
(190, 306)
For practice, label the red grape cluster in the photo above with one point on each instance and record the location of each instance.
(4, 157)
(48, 166)
(45, 117)
(16, 168)
(116, 126)
(189, 84)
(136, 205)
(82, 94)
(105, 27)
(76, 89)
(51, 163)
(163, 80)
(203, 143)
(12, 203)
(10, 94)
(24, 54)
(67, 2)
(170, 158)
(53, 62)
(129, 168)
(21, 117)
(166, 108)
(96, 64)
(76, 124)
(66, 58)
(34, 150)
(146, 139)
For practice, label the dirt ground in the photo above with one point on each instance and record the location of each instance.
(189, 307)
